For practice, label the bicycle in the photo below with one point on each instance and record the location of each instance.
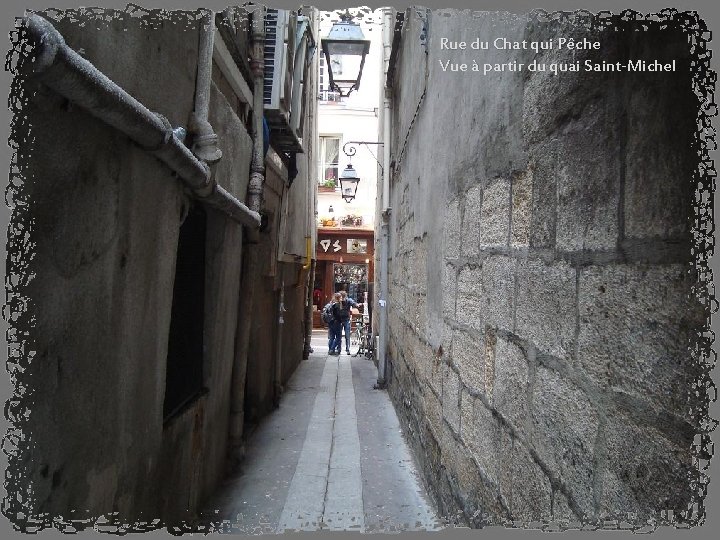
(362, 338)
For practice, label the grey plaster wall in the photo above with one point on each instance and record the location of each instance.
(272, 341)
(105, 222)
(224, 254)
(540, 299)
(101, 302)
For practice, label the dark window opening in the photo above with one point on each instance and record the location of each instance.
(184, 377)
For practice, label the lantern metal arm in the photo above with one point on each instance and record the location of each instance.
(350, 149)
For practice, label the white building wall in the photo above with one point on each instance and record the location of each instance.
(355, 118)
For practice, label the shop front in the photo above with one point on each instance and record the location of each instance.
(344, 263)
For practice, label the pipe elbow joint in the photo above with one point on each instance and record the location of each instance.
(209, 186)
(205, 148)
(48, 41)
(204, 140)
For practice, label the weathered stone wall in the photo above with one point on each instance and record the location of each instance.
(540, 311)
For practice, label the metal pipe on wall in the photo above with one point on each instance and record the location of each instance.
(250, 270)
(73, 77)
(307, 349)
(70, 75)
(386, 210)
(222, 200)
(257, 66)
(204, 139)
(277, 386)
(310, 213)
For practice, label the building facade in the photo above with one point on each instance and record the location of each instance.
(345, 246)
(168, 201)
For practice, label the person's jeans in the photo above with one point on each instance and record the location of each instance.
(346, 326)
(335, 336)
(331, 337)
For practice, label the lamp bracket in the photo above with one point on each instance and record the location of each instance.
(350, 149)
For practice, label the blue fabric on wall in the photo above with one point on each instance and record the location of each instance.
(266, 136)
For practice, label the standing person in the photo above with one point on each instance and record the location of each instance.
(344, 313)
(334, 326)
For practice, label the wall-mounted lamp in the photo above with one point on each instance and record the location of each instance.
(344, 41)
(349, 183)
(349, 179)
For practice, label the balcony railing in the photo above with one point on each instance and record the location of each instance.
(329, 95)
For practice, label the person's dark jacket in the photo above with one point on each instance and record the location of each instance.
(341, 311)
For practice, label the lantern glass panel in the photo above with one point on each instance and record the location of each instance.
(346, 49)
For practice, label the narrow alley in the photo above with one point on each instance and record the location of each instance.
(331, 457)
(198, 197)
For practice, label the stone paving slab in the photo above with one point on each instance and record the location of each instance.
(332, 456)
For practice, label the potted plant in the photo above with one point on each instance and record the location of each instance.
(352, 220)
(328, 185)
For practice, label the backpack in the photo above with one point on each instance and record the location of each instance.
(327, 314)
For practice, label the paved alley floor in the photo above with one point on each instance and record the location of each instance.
(331, 457)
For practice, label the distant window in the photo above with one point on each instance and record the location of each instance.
(324, 81)
(324, 86)
(184, 376)
(329, 159)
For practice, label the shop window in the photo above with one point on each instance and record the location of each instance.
(351, 278)
(184, 376)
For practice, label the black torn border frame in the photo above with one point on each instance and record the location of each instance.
(17, 311)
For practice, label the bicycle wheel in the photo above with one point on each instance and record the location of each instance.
(369, 345)
(357, 341)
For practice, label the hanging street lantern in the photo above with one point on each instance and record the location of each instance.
(349, 183)
(345, 48)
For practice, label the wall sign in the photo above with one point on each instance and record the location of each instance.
(327, 243)
(333, 245)
(356, 245)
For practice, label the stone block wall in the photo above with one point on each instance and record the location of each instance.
(540, 309)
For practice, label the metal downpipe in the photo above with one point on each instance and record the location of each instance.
(386, 210)
(250, 270)
(277, 377)
(204, 139)
(310, 223)
(382, 342)
(309, 311)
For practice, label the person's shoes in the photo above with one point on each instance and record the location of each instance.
(347, 351)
